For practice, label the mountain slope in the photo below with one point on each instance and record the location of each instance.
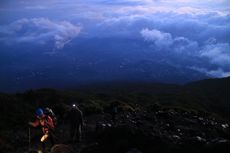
(200, 110)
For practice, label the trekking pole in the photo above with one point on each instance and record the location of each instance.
(29, 140)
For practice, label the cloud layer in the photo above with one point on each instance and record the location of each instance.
(40, 30)
(217, 54)
(187, 32)
(187, 29)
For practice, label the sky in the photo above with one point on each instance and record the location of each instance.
(193, 34)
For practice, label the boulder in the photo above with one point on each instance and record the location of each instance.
(62, 148)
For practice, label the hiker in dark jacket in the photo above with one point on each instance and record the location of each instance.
(75, 118)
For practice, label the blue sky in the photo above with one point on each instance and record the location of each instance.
(193, 29)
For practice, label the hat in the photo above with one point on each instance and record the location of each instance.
(39, 112)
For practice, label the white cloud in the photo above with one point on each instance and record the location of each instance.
(163, 40)
(212, 52)
(191, 24)
(159, 38)
(40, 30)
(218, 73)
(38, 7)
(217, 53)
(182, 44)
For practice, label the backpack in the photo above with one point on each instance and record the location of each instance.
(49, 112)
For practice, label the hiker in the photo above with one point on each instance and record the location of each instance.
(47, 127)
(114, 111)
(75, 118)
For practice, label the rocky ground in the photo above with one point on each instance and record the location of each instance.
(147, 130)
(161, 130)
(193, 118)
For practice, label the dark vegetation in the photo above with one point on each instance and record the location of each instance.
(151, 117)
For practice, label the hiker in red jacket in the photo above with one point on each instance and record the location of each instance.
(47, 126)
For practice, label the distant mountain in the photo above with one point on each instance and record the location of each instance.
(217, 92)
(218, 85)
(210, 94)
